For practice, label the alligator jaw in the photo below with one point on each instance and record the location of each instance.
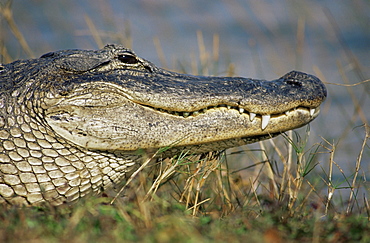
(82, 127)
(265, 119)
(108, 116)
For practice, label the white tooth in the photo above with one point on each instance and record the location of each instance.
(265, 121)
(287, 113)
(241, 110)
(252, 116)
(229, 107)
(312, 111)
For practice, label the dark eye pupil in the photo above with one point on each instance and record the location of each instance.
(127, 59)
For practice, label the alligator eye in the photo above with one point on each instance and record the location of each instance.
(128, 59)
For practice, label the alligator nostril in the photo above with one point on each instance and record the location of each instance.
(49, 54)
(294, 82)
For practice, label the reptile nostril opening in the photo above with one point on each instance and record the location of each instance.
(294, 82)
(49, 54)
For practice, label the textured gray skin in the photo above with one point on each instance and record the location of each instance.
(71, 122)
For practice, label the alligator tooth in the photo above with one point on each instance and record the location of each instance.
(312, 111)
(287, 113)
(252, 116)
(195, 113)
(265, 121)
(229, 107)
(241, 110)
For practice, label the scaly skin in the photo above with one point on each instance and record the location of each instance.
(71, 121)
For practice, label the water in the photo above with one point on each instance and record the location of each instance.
(260, 38)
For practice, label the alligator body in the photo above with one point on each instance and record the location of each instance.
(71, 122)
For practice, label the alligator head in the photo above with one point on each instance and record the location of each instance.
(111, 101)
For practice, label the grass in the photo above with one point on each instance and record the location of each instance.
(166, 222)
(287, 190)
(198, 200)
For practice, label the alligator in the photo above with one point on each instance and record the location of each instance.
(74, 122)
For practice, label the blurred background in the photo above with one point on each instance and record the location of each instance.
(261, 39)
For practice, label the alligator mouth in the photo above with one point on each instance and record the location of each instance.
(265, 118)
